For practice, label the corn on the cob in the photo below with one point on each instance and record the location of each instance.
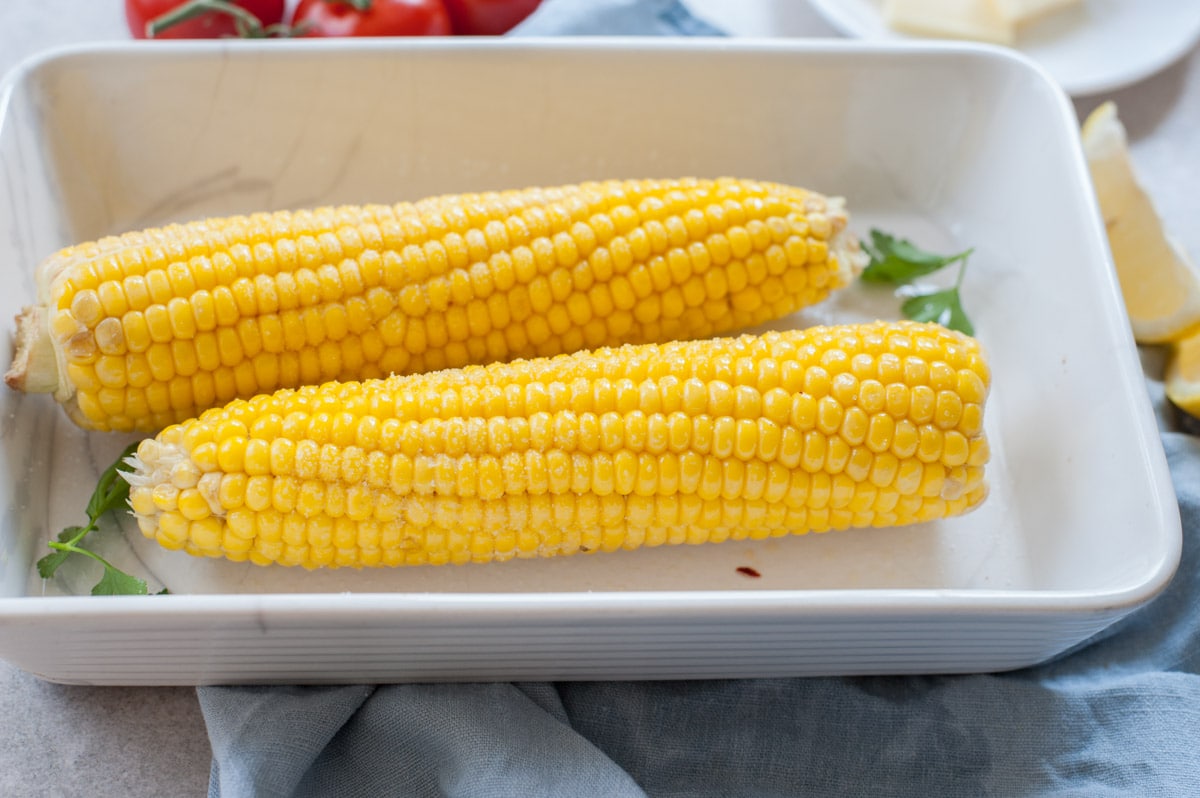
(686, 442)
(151, 328)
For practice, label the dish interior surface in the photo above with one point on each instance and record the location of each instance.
(983, 155)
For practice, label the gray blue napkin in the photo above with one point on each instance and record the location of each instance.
(1119, 716)
(614, 18)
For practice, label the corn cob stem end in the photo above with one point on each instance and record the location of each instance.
(34, 367)
(847, 250)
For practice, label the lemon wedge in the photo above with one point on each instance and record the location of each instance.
(1160, 286)
(1182, 377)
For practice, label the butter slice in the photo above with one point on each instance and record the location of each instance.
(954, 19)
(1017, 12)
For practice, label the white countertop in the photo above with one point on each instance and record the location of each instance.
(66, 740)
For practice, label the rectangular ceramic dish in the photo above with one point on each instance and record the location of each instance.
(952, 145)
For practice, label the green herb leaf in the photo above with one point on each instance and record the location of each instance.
(111, 491)
(897, 260)
(943, 307)
(73, 533)
(49, 564)
(118, 583)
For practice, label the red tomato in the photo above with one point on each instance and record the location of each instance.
(372, 18)
(211, 24)
(487, 17)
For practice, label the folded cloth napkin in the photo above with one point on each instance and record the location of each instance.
(1118, 716)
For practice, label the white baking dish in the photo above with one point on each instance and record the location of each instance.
(954, 145)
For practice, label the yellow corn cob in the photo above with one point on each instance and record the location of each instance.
(685, 442)
(151, 328)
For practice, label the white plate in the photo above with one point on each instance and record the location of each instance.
(1101, 46)
(1081, 526)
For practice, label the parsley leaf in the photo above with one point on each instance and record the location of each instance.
(111, 492)
(49, 564)
(943, 307)
(119, 583)
(897, 260)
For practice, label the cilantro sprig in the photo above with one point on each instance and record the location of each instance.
(111, 492)
(900, 262)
